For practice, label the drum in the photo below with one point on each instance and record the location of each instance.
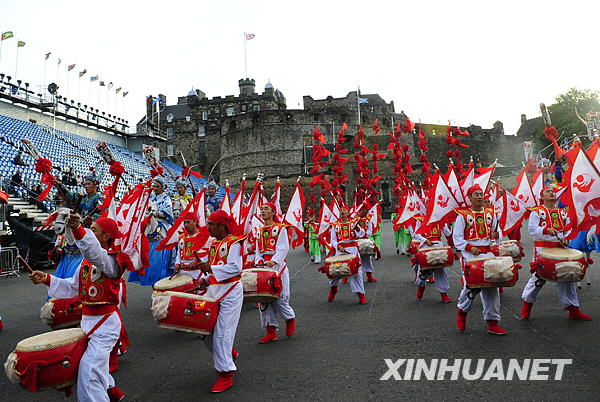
(510, 248)
(366, 246)
(413, 247)
(341, 266)
(490, 272)
(435, 257)
(178, 283)
(561, 264)
(185, 312)
(261, 285)
(62, 313)
(47, 361)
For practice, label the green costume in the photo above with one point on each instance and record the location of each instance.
(402, 237)
(314, 248)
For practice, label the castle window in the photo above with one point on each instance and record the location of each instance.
(201, 147)
(256, 108)
(232, 125)
(170, 133)
(316, 117)
(230, 111)
(170, 150)
(201, 131)
(386, 122)
(188, 118)
(217, 111)
(205, 115)
(244, 108)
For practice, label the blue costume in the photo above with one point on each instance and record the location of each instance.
(160, 261)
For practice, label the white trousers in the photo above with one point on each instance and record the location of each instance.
(441, 278)
(367, 263)
(567, 292)
(490, 297)
(93, 378)
(280, 307)
(220, 342)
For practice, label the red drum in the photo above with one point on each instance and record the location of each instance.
(47, 361)
(413, 247)
(62, 313)
(510, 248)
(178, 283)
(261, 285)
(435, 257)
(185, 312)
(490, 272)
(366, 246)
(560, 264)
(341, 266)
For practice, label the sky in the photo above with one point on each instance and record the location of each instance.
(465, 61)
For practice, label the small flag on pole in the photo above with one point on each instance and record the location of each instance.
(71, 66)
(20, 43)
(363, 100)
(94, 78)
(118, 90)
(125, 93)
(102, 84)
(82, 73)
(249, 36)
(48, 55)
(7, 35)
(59, 61)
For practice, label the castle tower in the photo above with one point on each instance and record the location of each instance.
(246, 86)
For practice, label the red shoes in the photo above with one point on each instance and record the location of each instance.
(494, 329)
(526, 310)
(270, 336)
(290, 327)
(445, 298)
(224, 382)
(370, 277)
(234, 354)
(361, 298)
(115, 394)
(575, 314)
(420, 292)
(344, 280)
(461, 320)
(332, 292)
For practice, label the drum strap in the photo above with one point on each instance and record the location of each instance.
(226, 293)
(542, 243)
(29, 376)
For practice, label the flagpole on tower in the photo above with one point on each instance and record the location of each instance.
(245, 57)
(17, 61)
(358, 103)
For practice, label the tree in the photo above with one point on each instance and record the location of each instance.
(562, 114)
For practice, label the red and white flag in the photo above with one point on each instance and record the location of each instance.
(583, 193)
(537, 185)
(468, 182)
(484, 177)
(251, 209)
(411, 208)
(173, 234)
(513, 212)
(129, 217)
(454, 185)
(200, 200)
(440, 203)
(335, 208)
(523, 190)
(238, 203)
(374, 217)
(276, 199)
(326, 218)
(226, 204)
(294, 215)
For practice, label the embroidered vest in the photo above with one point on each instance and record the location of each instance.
(190, 244)
(344, 230)
(268, 236)
(432, 232)
(219, 249)
(551, 217)
(478, 225)
(95, 288)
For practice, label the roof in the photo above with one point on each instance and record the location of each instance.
(528, 127)
(178, 112)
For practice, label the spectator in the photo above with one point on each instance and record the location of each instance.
(16, 181)
(79, 180)
(19, 159)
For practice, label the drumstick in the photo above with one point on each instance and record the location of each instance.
(25, 264)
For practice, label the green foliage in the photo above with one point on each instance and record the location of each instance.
(562, 114)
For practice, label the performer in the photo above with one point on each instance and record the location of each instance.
(473, 231)
(546, 225)
(70, 257)
(189, 243)
(365, 259)
(89, 204)
(586, 242)
(181, 199)
(97, 282)
(314, 247)
(272, 247)
(431, 238)
(213, 203)
(376, 236)
(223, 268)
(161, 221)
(344, 234)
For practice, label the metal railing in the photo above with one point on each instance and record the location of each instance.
(9, 263)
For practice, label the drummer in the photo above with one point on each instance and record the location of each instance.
(431, 237)
(186, 260)
(222, 269)
(473, 231)
(101, 269)
(272, 247)
(344, 234)
(547, 224)
(88, 204)
(365, 259)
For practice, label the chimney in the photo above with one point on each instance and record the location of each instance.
(523, 118)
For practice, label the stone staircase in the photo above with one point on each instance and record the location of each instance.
(26, 210)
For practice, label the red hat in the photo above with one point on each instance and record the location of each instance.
(190, 216)
(546, 188)
(273, 208)
(109, 226)
(473, 188)
(223, 217)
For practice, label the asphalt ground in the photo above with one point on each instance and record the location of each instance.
(339, 348)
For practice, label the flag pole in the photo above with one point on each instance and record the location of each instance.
(358, 103)
(44, 77)
(68, 80)
(245, 57)
(16, 61)
(79, 88)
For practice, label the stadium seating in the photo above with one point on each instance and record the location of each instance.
(67, 150)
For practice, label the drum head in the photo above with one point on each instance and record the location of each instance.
(187, 296)
(50, 340)
(340, 258)
(176, 281)
(248, 270)
(556, 253)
